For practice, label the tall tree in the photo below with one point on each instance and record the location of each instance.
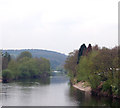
(71, 63)
(89, 49)
(5, 60)
(81, 52)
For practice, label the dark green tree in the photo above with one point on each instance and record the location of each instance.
(81, 52)
(5, 60)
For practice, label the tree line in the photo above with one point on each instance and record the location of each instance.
(23, 67)
(97, 66)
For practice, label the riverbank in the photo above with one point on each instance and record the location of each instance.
(83, 87)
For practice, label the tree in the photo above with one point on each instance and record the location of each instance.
(81, 52)
(44, 66)
(24, 54)
(26, 67)
(89, 49)
(71, 63)
(5, 60)
(13, 66)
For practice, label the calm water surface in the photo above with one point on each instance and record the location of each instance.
(54, 91)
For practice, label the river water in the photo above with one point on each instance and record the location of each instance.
(53, 91)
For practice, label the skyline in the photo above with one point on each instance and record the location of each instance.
(58, 25)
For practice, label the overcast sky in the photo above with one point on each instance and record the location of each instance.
(58, 25)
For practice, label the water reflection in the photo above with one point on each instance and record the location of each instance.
(84, 99)
(33, 82)
(53, 91)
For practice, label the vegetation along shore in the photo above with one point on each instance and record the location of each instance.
(99, 67)
(24, 67)
(91, 69)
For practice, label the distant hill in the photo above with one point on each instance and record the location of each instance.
(57, 60)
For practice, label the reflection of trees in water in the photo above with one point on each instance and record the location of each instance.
(103, 101)
(77, 95)
(33, 82)
(84, 99)
(59, 79)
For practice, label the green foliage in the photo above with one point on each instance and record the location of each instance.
(56, 59)
(95, 67)
(7, 75)
(106, 86)
(13, 66)
(83, 69)
(71, 63)
(26, 67)
(86, 71)
(5, 60)
(94, 81)
(24, 54)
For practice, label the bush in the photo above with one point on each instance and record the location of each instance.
(94, 81)
(7, 75)
(106, 86)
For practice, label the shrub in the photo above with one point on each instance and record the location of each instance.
(7, 75)
(94, 81)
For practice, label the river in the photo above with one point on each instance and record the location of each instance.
(53, 91)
